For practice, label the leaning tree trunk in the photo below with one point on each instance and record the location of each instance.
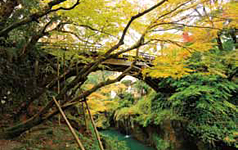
(20, 128)
(37, 119)
(43, 115)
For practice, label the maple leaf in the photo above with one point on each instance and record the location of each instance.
(187, 38)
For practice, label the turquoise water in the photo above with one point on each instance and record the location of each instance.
(131, 143)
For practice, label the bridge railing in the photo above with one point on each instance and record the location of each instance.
(95, 50)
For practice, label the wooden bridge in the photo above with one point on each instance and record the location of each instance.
(113, 64)
(94, 51)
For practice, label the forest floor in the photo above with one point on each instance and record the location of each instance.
(9, 145)
(44, 137)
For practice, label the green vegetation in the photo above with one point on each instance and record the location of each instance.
(205, 105)
(58, 137)
(184, 54)
(160, 143)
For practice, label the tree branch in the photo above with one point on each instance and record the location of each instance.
(121, 41)
(74, 34)
(96, 87)
(170, 12)
(36, 16)
(107, 55)
(76, 100)
(135, 46)
(185, 25)
(34, 39)
(175, 43)
(137, 16)
(93, 29)
(88, 69)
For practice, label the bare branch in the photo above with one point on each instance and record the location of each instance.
(107, 55)
(170, 12)
(93, 29)
(186, 25)
(175, 43)
(74, 34)
(47, 25)
(176, 21)
(121, 41)
(55, 2)
(137, 16)
(96, 87)
(36, 16)
(199, 14)
(136, 46)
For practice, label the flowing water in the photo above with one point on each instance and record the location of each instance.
(131, 143)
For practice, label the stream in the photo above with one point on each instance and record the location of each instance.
(131, 143)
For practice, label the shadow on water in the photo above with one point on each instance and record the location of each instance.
(131, 143)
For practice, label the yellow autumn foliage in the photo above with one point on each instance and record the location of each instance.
(98, 103)
(97, 95)
(171, 63)
(116, 87)
(230, 12)
(172, 18)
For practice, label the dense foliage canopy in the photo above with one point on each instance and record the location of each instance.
(186, 50)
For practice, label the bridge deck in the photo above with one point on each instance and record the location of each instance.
(114, 64)
(144, 58)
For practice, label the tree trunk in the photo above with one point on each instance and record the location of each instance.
(18, 129)
(39, 118)
(219, 42)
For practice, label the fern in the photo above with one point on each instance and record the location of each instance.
(206, 102)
